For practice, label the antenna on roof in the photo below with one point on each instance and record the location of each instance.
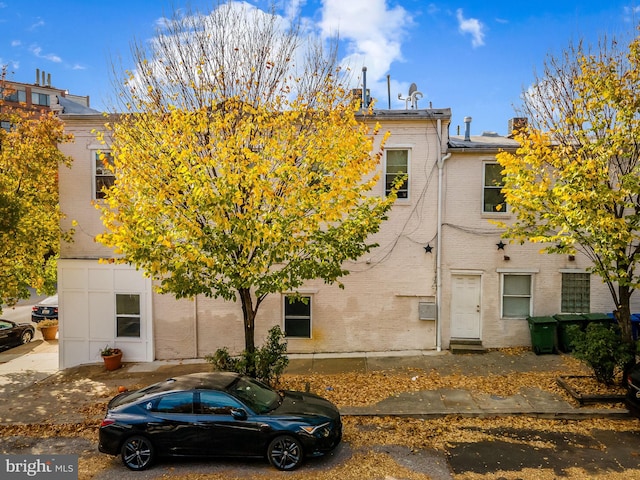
(412, 98)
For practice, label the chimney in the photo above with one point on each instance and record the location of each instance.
(467, 129)
(516, 124)
(37, 76)
(48, 79)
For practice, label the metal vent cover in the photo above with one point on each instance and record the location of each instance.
(427, 310)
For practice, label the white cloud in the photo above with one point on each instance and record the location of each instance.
(373, 34)
(16, 43)
(38, 24)
(292, 9)
(473, 27)
(631, 14)
(37, 51)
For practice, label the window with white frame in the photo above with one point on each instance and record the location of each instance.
(516, 295)
(576, 293)
(104, 178)
(297, 316)
(492, 197)
(397, 163)
(127, 315)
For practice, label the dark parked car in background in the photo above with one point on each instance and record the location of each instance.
(45, 310)
(218, 414)
(633, 390)
(12, 333)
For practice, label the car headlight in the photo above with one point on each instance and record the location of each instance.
(321, 430)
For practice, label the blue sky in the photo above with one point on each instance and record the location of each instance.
(474, 57)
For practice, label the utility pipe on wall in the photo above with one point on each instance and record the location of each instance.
(441, 161)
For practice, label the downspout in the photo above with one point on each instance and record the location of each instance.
(441, 161)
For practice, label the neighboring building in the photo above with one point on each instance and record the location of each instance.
(438, 234)
(42, 96)
(491, 286)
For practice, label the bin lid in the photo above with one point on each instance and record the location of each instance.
(598, 316)
(543, 319)
(635, 317)
(569, 317)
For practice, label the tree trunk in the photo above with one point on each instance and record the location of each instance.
(249, 317)
(623, 316)
(249, 330)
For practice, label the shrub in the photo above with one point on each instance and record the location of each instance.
(601, 347)
(266, 364)
(47, 323)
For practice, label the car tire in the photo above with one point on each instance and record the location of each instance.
(137, 453)
(285, 453)
(26, 337)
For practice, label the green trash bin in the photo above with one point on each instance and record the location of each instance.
(543, 334)
(564, 321)
(603, 318)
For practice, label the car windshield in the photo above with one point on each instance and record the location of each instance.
(134, 395)
(49, 301)
(255, 395)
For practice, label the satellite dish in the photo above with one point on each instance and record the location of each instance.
(412, 88)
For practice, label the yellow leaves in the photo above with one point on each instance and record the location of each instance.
(231, 190)
(29, 162)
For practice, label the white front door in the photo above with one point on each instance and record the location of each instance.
(465, 306)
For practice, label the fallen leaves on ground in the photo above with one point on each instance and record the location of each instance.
(361, 389)
(442, 433)
(363, 433)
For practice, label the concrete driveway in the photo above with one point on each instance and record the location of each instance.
(22, 366)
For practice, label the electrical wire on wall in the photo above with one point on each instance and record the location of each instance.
(416, 217)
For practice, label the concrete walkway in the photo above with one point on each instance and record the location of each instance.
(34, 391)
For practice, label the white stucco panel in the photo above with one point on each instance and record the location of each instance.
(87, 294)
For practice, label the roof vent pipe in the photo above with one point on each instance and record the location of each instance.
(364, 87)
(467, 129)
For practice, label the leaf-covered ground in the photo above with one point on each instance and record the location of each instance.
(364, 435)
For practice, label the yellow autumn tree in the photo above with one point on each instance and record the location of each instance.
(29, 211)
(574, 183)
(240, 167)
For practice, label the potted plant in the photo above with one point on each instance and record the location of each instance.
(112, 357)
(49, 328)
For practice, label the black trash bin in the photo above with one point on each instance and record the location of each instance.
(543, 334)
(564, 321)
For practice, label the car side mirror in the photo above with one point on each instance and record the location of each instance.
(239, 413)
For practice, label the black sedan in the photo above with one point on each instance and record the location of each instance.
(218, 414)
(45, 310)
(12, 333)
(633, 390)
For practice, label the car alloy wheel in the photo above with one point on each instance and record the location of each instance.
(26, 337)
(137, 453)
(285, 453)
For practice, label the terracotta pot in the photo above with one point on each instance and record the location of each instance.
(113, 362)
(49, 333)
